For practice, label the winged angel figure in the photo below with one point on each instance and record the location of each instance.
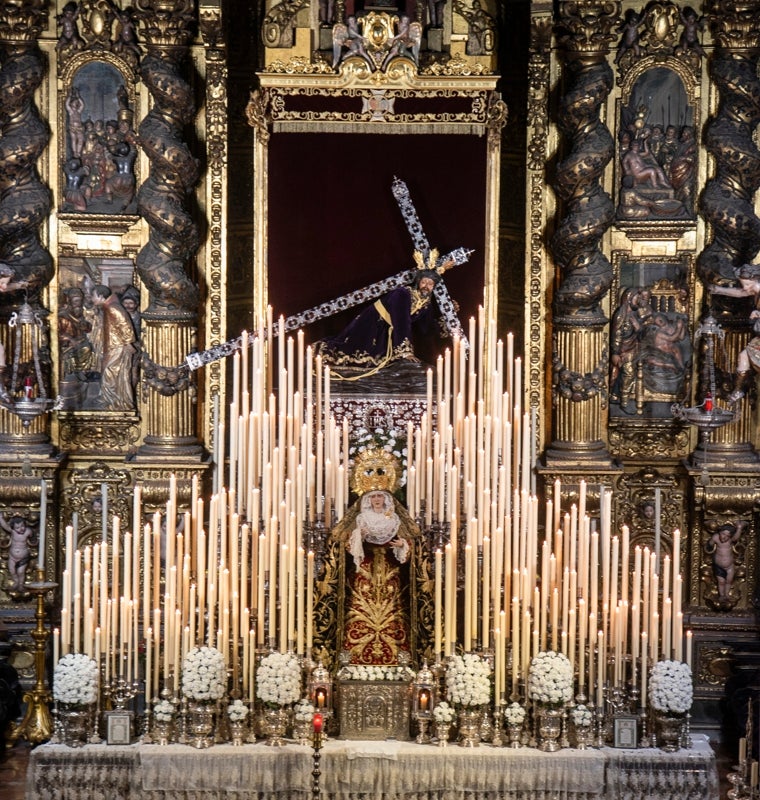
(348, 42)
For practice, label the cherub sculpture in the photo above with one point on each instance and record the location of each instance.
(630, 37)
(69, 38)
(406, 43)
(21, 536)
(692, 25)
(348, 42)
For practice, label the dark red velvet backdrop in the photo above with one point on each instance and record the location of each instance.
(334, 225)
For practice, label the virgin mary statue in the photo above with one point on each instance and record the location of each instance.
(374, 590)
(377, 616)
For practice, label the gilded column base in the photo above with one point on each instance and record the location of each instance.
(725, 455)
(563, 455)
(18, 440)
(174, 449)
(154, 478)
(170, 410)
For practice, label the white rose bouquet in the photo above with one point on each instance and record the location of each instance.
(75, 680)
(514, 714)
(443, 713)
(581, 716)
(468, 680)
(550, 679)
(368, 672)
(163, 711)
(670, 687)
(304, 710)
(278, 679)
(391, 441)
(204, 674)
(237, 711)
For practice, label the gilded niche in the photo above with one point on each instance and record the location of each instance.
(99, 143)
(650, 343)
(657, 150)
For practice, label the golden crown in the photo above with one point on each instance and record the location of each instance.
(375, 469)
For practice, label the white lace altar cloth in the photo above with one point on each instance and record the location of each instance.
(368, 771)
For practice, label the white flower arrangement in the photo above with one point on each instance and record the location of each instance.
(391, 441)
(278, 679)
(304, 710)
(367, 672)
(514, 714)
(163, 711)
(237, 711)
(550, 679)
(204, 674)
(670, 687)
(581, 716)
(75, 680)
(443, 713)
(468, 680)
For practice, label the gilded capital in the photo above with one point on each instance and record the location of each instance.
(166, 24)
(22, 22)
(586, 28)
(735, 26)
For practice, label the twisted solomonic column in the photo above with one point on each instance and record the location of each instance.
(728, 198)
(170, 321)
(24, 200)
(580, 355)
(728, 201)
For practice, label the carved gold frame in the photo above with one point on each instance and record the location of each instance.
(268, 114)
(685, 260)
(648, 229)
(84, 223)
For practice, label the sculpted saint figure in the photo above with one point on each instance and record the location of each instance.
(117, 391)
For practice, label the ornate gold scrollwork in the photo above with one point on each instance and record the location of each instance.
(97, 433)
(256, 113)
(279, 24)
(83, 495)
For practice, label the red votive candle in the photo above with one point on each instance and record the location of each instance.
(318, 721)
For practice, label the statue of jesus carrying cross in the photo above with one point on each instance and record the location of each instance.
(386, 331)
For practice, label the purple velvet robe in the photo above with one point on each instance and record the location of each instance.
(381, 333)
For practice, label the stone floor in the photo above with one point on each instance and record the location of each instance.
(13, 772)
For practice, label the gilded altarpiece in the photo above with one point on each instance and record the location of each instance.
(643, 137)
(111, 222)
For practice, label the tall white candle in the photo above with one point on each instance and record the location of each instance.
(437, 602)
(43, 526)
(309, 599)
(104, 510)
(657, 522)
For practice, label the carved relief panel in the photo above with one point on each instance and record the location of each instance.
(98, 143)
(98, 333)
(657, 152)
(650, 342)
(658, 63)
